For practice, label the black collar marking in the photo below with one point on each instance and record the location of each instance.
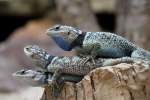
(79, 40)
(50, 58)
(46, 77)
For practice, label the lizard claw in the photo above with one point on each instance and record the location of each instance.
(53, 82)
(55, 89)
(93, 60)
(89, 58)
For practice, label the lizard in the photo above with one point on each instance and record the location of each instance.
(95, 44)
(42, 79)
(71, 67)
(68, 65)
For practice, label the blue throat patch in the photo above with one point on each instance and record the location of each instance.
(62, 43)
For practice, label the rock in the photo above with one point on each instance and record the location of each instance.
(119, 82)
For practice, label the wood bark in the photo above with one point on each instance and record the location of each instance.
(119, 82)
(133, 21)
(77, 13)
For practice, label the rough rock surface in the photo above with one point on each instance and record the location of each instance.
(119, 82)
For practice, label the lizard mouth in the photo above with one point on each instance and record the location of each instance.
(19, 73)
(23, 74)
(51, 32)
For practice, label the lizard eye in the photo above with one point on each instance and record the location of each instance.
(23, 72)
(57, 27)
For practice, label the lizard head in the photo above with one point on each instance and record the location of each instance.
(64, 35)
(25, 74)
(31, 77)
(38, 55)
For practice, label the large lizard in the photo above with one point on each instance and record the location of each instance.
(101, 44)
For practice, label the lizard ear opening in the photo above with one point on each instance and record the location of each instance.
(68, 33)
(57, 27)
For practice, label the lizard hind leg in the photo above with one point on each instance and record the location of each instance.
(111, 62)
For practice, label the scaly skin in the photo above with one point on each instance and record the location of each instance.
(34, 78)
(101, 44)
(68, 65)
(38, 78)
(41, 79)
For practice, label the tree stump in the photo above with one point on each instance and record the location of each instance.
(119, 82)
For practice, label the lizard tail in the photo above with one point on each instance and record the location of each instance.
(141, 54)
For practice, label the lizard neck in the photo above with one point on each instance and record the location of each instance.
(79, 40)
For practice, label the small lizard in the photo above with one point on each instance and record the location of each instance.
(34, 78)
(68, 65)
(101, 44)
(42, 79)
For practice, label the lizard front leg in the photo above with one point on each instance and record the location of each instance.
(89, 51)
(55, 88)
(55, 76)
(53, 81)
(96, 49)
(93, 51)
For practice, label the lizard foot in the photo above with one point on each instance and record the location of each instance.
(55, 86)
(89, 58)
(55, 89)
